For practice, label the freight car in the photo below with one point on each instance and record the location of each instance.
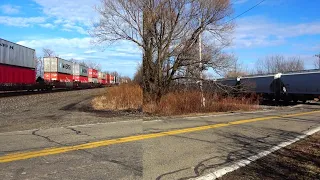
(17, 67)
(292, 86)
(18, 71)
(300, 86)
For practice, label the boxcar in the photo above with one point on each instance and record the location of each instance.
(17, 66)
(59, 72)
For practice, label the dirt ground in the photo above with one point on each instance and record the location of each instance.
(54, 110)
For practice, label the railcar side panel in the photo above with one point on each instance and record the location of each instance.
(16, 75)
(93, 80)
(58, 65)
(80, 70)
(304, 83)
(93, 73)
(81, 79)
(16, 55)
(102, 81)
(58, 77)
(260, 84)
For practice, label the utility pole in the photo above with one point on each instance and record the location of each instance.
(203, 100)
(318, 56)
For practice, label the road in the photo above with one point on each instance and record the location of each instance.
(164, 148)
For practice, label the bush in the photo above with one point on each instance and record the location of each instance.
(129, 96)
(123, 97)
(177, 103)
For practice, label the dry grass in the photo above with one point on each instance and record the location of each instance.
(129, 96)
(177, 103)
(123, 97)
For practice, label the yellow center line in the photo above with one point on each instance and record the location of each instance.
(57, 150)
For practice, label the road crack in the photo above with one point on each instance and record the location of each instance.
(78, 132)
(45, 137)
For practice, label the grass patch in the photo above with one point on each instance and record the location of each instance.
(129, 96)
(123, 97)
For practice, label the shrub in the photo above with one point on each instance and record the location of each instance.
(125, 96)
(129, 96)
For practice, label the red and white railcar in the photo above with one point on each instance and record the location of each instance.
(80, 73)
(17, 66)
(59, 72)
(102, 78)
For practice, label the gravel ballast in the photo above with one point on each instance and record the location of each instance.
(57, 109)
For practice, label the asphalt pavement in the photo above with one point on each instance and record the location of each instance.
(153, 148)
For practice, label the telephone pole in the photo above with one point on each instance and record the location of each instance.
(203, 100)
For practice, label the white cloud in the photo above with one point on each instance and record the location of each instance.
(47, 25)
(21, 21)
(71, 27)
(9, 9)
(58, 44)
(261, 32)
(80, 11)
(90, 51)
(70, 16)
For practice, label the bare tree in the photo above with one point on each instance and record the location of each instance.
(236, 70)
(39, 66)
(48, 53)
(92, 64)
(279, 64)
(74, 60)
(317, 61)
(166, 31)
(137, 78)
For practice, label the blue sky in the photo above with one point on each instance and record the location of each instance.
(284, 27)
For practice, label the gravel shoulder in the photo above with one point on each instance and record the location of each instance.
(300, 160)
(49, 110)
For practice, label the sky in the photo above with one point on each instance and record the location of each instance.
(275, 27)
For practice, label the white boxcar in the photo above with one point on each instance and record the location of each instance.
(80, 70)
(257, 84)
(302, 83)
(55, 64)
(16, 55)
(101, 75)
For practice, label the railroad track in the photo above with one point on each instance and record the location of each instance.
(25, 92)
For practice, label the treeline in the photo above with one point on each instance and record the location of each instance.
(269, 65)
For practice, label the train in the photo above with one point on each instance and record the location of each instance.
(290, 86)
(18, 71)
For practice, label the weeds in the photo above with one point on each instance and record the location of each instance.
(129, 96)
(123, 97)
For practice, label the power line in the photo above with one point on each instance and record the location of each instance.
(242, 14)
(245, 11)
